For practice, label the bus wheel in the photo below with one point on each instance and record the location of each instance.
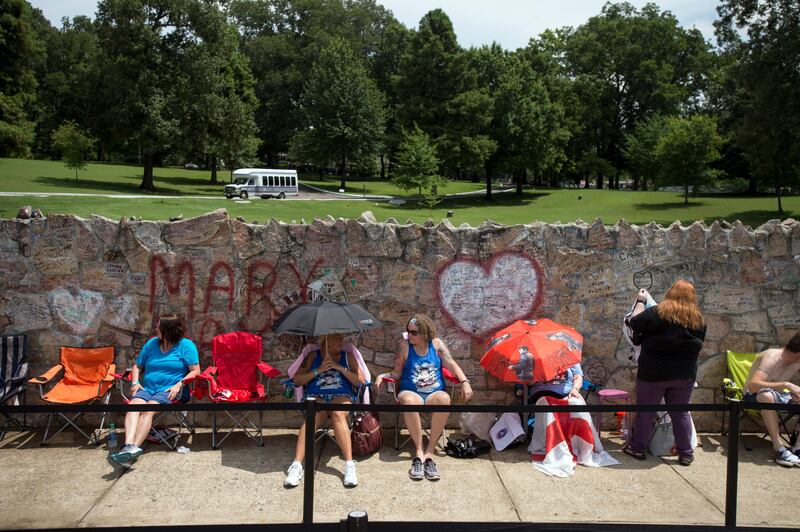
(281, 196)
(243, 195)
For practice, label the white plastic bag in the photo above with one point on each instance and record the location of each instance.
(477, 423)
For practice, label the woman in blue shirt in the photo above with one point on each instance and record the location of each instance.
(331, 375)
(157, 378)
(418, 367)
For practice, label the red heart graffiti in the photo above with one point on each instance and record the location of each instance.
(480, 298)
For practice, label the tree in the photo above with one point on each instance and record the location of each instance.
(436, 92)
(18, 48)
(342, 109)
(283, 40)
(684, 151)
(417, 164)
(629, 64)
(640, 150)
(74, 145)
(763, 37)
(160, 66)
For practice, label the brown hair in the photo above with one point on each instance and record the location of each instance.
(424, 325)
(680, 306)
(171, 328)
(794, 343)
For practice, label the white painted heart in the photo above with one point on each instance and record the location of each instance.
(79, 312)
(481, 298)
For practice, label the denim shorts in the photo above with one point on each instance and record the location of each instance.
(779, 398)
(422, 395)
(161, 398)
(329, 397)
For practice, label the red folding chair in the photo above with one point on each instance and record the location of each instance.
(235, 377)
(393, 386)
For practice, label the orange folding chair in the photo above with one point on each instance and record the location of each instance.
(88, 376)
(394, 387)
(235, 377)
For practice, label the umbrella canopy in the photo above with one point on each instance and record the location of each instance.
(530, 351)
(325, 317)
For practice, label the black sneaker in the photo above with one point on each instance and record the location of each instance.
(431, 471)
(416, 473)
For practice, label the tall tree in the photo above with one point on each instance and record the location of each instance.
(436, 92)
(342, 109)
(283, 39)
(764, 37)
(66, 90)
(157, 56)
(640, 150)
(18, 50)
(629, 64)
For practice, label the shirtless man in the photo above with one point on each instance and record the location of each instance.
(768, 382)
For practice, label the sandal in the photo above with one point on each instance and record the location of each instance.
(635, 453)
(686, 459)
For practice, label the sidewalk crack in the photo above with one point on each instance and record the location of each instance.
(505, 488)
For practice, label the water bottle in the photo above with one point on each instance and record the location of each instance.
(111, 441)
(288, 392)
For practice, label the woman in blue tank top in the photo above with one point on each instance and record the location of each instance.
(331, 375)
(418, 367)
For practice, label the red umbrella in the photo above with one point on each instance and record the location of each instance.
(532, 351)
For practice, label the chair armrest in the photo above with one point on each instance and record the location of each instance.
(47, 376)
(110, 375)
(268, 370)
(210, 373)
(450, 376)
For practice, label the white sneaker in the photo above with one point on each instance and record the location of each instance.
(294, 475)
(350, 479)
(786, 458)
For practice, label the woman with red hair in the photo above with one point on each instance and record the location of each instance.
(671, 335)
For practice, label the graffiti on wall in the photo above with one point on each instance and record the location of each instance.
(481, 297)
(261, 305)
(79, 312)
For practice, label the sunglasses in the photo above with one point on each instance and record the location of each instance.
(412, 333)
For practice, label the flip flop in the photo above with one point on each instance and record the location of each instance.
(630, 451)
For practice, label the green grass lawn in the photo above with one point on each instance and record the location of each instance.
(548, 205)
(21, 175)
(376, 187)
(545, 205)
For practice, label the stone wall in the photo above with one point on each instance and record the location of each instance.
(70, 281)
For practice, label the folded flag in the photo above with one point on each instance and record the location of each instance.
(562, 439)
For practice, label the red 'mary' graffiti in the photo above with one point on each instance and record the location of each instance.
(173, 285)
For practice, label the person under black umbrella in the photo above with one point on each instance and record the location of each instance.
(330, 375)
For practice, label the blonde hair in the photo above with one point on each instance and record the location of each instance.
(424, 325)
(680, 306)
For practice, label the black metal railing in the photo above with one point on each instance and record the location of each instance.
(310, 407)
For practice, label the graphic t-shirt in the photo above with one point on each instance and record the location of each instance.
(164, 370)
(330, 382)
(422, 373)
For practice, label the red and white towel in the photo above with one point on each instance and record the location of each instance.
(562, 439)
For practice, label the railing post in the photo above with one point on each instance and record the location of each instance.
(308, 465)
(357, 521)
(732, 475)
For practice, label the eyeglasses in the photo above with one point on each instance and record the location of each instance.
(412, 333)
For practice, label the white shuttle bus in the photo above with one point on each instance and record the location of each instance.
(263, 183)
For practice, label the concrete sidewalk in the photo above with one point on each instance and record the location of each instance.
(70, 485)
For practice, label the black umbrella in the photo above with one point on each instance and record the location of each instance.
(325, 317)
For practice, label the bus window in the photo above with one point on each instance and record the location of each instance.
(291, 181)
(281, 178)
(252, 181)
(268, 181)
